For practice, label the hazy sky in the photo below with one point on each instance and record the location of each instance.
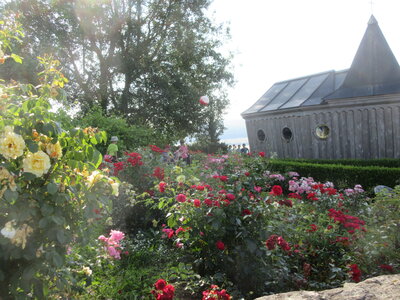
(275, 40)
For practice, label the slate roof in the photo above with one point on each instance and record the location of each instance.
(374, 71)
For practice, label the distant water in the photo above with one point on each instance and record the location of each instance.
(236, 141)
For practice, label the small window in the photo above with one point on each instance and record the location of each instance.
(287, 134)
(322, 132)
(261, 135)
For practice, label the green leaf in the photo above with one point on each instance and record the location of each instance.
(16, 58)
(32, 146)
(97, 158)
(52, 188)
(10, 195)
(61, 236)
(43, 222)
(29, 176)
(58, 220)
(57, 259)
(48, 129)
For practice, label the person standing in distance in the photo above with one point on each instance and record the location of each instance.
(113, 148)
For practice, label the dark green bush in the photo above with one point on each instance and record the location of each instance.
(342, 175)
(381, 162)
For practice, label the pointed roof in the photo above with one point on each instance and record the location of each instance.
(374, 70)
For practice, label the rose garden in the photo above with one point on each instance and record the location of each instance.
(77, 225)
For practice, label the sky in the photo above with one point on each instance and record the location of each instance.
(275, 40)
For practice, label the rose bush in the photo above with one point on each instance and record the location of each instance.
(48, 192)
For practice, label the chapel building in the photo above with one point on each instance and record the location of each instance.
(353, 113)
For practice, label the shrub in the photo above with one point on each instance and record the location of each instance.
(49, 185)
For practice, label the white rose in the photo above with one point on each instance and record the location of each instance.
(9, 231)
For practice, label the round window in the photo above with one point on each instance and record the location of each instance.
(322, 131)
(261, 135)
(287, 134)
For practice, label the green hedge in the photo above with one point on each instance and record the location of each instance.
(344, 176)
(382, 162)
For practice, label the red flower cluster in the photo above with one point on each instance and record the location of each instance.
(161, 186)
(387, 268)
(312, 196)
(294, 196)
(215, 293)
(163, 291)
(355, 273)
(158, 173)
(276, 190)
(273, 240)
(286, 202)
(313, 228)
(346, 220)
(134, 159)
(156, 149)
(118, 166)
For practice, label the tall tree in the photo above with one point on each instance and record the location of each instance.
(147, 60)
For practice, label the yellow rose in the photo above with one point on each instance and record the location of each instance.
(96, 176)
(37, 163)
(12, 145)
(54, 150)
(115, 187)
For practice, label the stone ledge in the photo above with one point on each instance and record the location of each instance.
(385, 287)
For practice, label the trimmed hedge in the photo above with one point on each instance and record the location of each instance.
(344, 176)
(381, 162)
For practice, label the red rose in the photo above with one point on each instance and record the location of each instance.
(196, 202)
(160, 284)
(355, 273)
(230, 197)
(200, 188)
(223, 178)
(246, 212)
(181, 198)
(262, 154)
(276, 190)
(220, 245)
(247, 173)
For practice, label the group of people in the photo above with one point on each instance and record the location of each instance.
(167, 155)
(181, 154)
(233, 149)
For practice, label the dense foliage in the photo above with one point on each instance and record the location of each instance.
(148, 61)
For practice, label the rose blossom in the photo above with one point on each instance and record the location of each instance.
(37, 163)
(12, 145)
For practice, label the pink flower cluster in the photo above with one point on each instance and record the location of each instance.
(112, 243)
(354, 191)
